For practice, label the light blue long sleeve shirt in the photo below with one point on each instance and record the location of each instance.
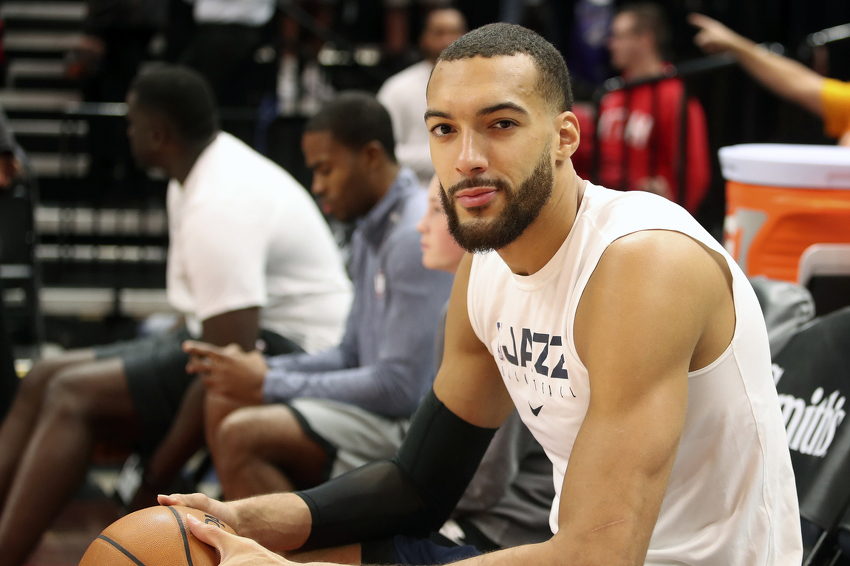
(384, 363)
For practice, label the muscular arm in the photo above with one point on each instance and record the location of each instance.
(786, 77)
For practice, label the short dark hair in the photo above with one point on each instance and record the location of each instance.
(183, 97)
(354, 118)
(501, 39)
(650, 17)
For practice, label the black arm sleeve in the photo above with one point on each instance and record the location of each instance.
(412, 494)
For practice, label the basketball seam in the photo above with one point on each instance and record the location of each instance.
(185, 536)
(122, 550)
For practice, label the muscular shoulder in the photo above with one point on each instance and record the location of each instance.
(653, 282)
(661, 262)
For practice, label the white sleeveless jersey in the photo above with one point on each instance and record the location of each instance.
(731, 498)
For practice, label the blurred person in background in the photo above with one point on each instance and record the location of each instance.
(825, 97)
(639, 130)
(403, 94)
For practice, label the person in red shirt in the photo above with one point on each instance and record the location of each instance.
(639, 129)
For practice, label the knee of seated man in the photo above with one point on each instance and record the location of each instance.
(250, 429)
(42, 372)
(238, 431)
(72, 392)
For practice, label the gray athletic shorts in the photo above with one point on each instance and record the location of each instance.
(155, 367)
(351, 436)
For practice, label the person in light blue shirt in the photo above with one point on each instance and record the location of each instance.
(294, 421)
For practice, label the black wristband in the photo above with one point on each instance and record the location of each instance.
(412, 494)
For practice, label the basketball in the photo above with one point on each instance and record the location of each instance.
(155, 536)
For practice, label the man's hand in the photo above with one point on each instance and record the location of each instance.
(714, 37)
(279, 521)
(234, 550)
(229, 371)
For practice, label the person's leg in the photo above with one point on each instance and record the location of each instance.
(265, 450)
(216, 410)
(17, 428)
(184, 439)
(198, 416)
(82, 403)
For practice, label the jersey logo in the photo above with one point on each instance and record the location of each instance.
(525, 356)
(538, 360)
(534, 411)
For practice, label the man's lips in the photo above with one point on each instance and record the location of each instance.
(476, 196)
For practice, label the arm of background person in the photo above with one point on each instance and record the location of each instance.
(394, 384)
(337, 358)
(785, 77)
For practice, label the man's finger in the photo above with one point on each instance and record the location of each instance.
(199, 365)
(699, 20)
(167, 500)
(213, 536)
(193, 347)
(194, 500)
(233, 547)
(232, 349)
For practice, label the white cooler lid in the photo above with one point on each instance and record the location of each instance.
(787, 165)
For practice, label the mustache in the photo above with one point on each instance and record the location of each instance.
(473, 182)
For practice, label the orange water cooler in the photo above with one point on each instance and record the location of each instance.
(782, 200)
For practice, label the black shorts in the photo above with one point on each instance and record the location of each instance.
(402, 549)
(155, 367)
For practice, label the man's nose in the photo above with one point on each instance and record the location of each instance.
(472, 159)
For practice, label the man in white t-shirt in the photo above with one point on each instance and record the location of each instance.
(250, 257)
(403, 94)
(627, 339)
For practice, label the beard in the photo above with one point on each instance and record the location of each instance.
(522, 207)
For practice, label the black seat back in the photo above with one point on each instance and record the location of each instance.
(813, 382)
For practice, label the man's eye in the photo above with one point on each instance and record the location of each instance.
(441, 130)
(504, 124)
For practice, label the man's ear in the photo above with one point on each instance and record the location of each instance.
(161, 132)
(568, 135)
(373, 153)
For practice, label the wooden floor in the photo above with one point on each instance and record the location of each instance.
(72, 532)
